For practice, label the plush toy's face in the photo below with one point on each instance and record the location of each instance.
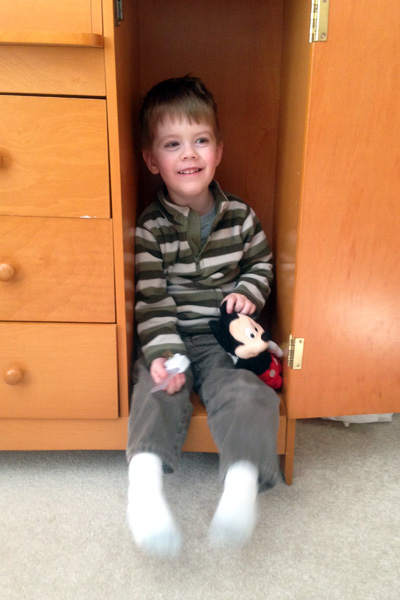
(249, 334)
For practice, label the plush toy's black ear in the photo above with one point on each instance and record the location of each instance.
(221, 332)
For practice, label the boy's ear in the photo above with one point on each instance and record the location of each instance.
(220, 148)
(150, 162)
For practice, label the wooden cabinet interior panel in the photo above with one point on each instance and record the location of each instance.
(235, 48)
(67, 371)
(56, 71)
(54, 157)
(42, 15)
(63, 270)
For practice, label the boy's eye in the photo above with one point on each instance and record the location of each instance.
(171, 144)
(202, 140)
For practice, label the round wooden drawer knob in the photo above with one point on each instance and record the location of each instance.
(13, 375)
(7, 272)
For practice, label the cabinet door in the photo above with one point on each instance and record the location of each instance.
(347, 286)
(80, 16)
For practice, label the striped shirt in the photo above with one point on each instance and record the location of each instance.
(181, 283)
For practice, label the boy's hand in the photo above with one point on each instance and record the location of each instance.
(240, 304)
(158, 373)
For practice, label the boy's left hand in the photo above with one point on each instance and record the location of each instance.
(240, 304)
(159, 373)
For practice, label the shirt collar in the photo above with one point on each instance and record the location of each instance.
(180, 214)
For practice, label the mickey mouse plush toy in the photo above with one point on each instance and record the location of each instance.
(248, 344)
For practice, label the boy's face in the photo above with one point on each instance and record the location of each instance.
(185, 155)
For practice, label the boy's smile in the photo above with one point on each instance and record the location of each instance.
(186, 155)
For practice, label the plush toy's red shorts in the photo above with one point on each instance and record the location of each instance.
(272, 376)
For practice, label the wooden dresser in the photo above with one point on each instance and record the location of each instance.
(66, 224)
(69, 85)
(310, 142)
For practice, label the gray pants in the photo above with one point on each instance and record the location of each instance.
(243, 412)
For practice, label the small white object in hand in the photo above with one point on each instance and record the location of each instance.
(178, 363)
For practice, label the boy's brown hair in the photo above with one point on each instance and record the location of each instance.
(179, 97)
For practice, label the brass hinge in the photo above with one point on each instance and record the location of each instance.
(119, 12)
(319, 21)
(295, 353)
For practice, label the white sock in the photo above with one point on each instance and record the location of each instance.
(150, 520)
(235, 518)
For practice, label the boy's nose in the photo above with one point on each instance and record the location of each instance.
(189, 152)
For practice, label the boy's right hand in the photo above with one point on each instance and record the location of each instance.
(158, 373)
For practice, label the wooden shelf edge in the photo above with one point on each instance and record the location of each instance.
(51, 38)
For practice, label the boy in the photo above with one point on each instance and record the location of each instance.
(196, 247)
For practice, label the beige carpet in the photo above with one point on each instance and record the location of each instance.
(334, 534)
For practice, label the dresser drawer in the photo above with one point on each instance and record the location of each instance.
(57, 371)
(75, 16)
(60, 71)
(54, 157)
(56, 270)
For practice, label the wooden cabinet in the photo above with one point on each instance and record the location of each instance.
(67, 206)
(310, 141)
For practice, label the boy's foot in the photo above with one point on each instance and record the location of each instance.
(150, 520)
(235, 518)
